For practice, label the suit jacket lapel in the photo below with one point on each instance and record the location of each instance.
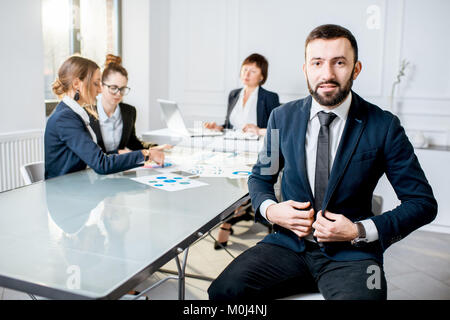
(234, 101)
(126, 126)
(95, 125)
(260, 107)
(231, 103)
(356, 121)
(305, 111)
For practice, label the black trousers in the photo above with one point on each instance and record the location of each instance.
(267, 272)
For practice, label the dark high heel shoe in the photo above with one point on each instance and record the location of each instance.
(247, 216)
(220, 245)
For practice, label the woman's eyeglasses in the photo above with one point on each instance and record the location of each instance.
(114, 89)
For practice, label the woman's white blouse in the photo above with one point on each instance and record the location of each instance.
(242, 115)
(110, 127)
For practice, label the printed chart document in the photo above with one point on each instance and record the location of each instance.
(216, 171)
(169, 182)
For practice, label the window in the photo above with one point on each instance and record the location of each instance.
(87, 27)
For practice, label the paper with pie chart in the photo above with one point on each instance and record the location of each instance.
(214, 171)
(169, 182)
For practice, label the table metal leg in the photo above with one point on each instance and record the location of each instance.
(188, 275)
(160, 282)
(181, 274)
(181, 266)
(223, 247)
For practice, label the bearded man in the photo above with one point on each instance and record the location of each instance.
(333, 147)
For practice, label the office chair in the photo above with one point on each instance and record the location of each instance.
(32, 172)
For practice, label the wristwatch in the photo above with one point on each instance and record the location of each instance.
(361, 239)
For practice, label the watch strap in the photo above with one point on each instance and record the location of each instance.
(361, 238)
(361, 230)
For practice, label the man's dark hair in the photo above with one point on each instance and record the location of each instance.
(332, 31)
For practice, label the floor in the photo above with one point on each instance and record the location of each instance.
(418, 267)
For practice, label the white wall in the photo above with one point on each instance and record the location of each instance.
(425, 103)
(209, 40)
(159, 59)
(22, 105)
(191, 50)
(145, 51)
(135, 54)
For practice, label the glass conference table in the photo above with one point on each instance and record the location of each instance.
(90, 236)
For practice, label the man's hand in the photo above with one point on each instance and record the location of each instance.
(292, 215)
(339, 229)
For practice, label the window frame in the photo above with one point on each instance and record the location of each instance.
(75, 43)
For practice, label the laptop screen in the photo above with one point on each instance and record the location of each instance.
(172, 116)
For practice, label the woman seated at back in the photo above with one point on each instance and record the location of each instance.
(249, 107)
(115, 126)
(70, 142)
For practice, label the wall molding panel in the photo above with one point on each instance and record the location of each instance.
(209, 40)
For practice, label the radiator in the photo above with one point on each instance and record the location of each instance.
(17, 149)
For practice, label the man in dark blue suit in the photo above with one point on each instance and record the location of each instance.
(333, 147)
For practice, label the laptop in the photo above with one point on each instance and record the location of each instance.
(174, 119)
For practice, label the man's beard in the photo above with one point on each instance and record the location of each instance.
(331, 99)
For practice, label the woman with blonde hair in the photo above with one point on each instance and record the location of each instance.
(70, 143)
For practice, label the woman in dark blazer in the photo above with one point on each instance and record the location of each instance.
(128, 139)
(115, 124)
(70, 143)
(248, 110)
(267, 101)
(249, 107)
